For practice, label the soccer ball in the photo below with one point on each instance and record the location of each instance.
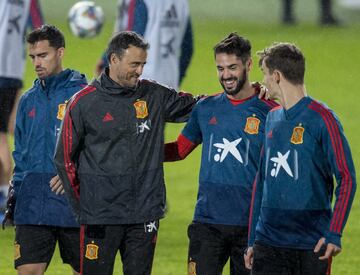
(85, 19)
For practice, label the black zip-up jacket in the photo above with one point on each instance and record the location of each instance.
(110, 151)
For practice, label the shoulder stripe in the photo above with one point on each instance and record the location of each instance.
(270, 103)
(252, 205)
(87, 90)
(276, 108)
(256, 179)
(69, 165)
(67, 138)
(345, 189)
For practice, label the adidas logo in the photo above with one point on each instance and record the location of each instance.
(32, 112)
(213, 121)
(171, 13)
(108, 117)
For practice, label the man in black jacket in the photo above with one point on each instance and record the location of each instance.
(111, 147)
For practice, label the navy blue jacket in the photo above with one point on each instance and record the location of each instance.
(38, 120)
(304, 149)
(232, 134)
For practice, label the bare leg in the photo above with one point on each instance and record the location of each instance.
(32, 269)
(5, 160)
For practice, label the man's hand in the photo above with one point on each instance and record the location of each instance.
(10, 207)
(56, 185)
(331, 249)
(249, 257)
(264, 92)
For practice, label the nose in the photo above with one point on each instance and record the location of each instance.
(226, 74)
(139, 69)
(36, 62)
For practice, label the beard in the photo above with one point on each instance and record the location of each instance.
(240, 84)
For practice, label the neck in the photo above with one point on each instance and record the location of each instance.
(291, 94)
(113, 77)
(246, 91)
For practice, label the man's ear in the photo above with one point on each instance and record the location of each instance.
(61, 52)
(114, 58)
(277, 75)
(249, 64)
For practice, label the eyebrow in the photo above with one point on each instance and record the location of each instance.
(42, 53)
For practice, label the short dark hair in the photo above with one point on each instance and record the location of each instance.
(285, 57)
(122, 41)
(234, 44)
(47, 32)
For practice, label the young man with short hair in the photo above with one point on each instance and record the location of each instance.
(293, 227)
(36, 203)
(230, 125)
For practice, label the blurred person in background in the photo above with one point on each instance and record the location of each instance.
(16, 17)
(36, 201)
(166, 25)
(230, 125)
(325, 10)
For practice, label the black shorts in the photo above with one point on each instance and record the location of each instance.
(211, 245)
(36, 244)
(270, 260)
(100, 244)
(7, 101)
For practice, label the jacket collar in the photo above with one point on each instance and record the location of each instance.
(111, 87)
(64, 79)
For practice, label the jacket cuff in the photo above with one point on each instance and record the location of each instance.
(333, 238)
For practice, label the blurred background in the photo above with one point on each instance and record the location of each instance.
(332, 76)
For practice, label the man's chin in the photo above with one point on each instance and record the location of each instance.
(231, 92)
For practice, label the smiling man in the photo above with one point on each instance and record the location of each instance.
(110, 158)
(230, 125)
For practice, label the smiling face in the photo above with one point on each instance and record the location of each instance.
(45, 59)
(127, 69)
(232, 73)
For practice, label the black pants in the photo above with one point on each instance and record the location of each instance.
(36, 244)
(7, 102)
(100, 244)
(269, 260)
(211, 246)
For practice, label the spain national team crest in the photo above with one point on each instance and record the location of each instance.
(141, 109)
(252, 125)
(297, 135)
(61, 111)
(91, 251)
(17, 254)
(192, 268)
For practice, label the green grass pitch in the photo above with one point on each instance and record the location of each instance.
(332, 76)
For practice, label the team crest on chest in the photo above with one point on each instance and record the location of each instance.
(141, 109)
(91, 251)
(252, 125)
(297, 135)
(61, 111)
